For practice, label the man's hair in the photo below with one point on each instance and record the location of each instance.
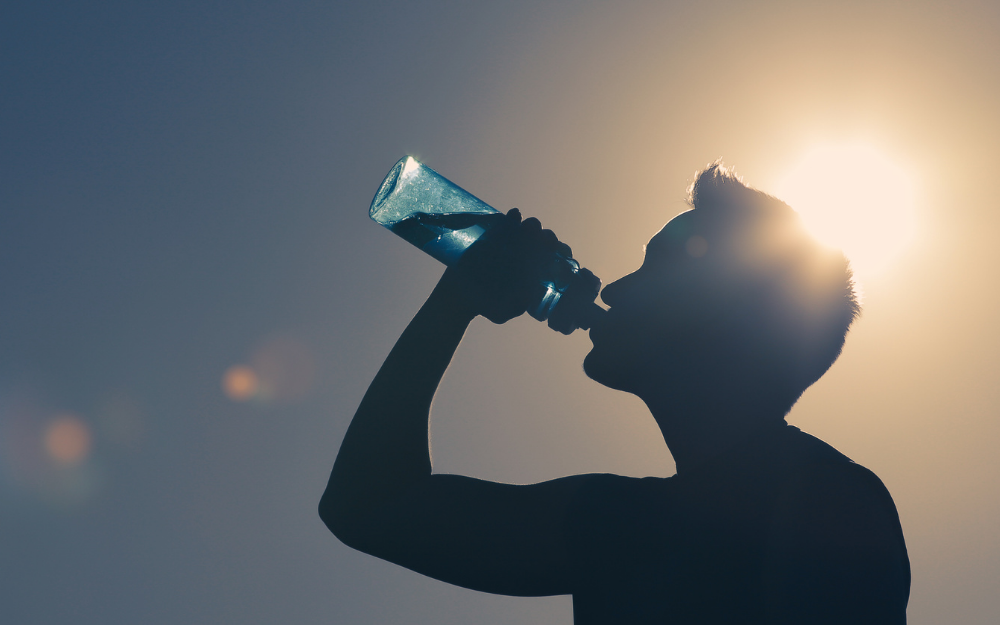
(795, 298)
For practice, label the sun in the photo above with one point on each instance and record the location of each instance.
(854, 198)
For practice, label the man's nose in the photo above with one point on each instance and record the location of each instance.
(614, 293)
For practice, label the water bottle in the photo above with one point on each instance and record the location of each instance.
(443, 220)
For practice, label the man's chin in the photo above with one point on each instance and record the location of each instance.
(600, 371)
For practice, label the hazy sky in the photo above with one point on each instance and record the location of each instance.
(184, 189)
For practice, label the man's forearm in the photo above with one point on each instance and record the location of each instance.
(386, 449)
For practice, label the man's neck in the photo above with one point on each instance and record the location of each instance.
(698, 432)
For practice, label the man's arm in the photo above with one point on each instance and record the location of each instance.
(382, 497)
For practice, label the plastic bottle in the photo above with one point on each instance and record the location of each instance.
(443, 220)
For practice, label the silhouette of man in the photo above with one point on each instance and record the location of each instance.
(733, 313)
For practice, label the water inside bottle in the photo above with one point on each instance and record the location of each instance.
(445, 237)
(443, 220)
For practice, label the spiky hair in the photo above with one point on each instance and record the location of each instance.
(801, 294)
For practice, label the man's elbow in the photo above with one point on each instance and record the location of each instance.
(339, 519)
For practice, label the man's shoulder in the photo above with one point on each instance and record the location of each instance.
(833, 504)
(835, 533)
(818, 466)
(791, 443)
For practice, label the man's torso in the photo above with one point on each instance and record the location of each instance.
(776, 531)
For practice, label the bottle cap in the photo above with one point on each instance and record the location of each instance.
(576, 308)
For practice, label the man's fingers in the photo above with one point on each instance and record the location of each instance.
(501, 272)
(532, 225)
(550, 238)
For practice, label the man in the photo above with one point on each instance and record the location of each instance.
(734, 312)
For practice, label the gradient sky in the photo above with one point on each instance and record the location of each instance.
(184, 188)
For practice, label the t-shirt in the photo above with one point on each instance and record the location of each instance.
(781, 529)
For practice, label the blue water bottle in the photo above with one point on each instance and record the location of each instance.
(443, 220)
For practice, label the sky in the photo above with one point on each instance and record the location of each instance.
(195, 299)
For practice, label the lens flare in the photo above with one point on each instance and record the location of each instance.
(696, 246)
(67, 440)
(240, 383)
(854, 198)
(286, 369)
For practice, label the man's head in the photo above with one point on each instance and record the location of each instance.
(733, 300)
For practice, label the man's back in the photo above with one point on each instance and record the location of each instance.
(782, 529)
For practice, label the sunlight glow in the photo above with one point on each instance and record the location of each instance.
(854, 198)
(281, 369)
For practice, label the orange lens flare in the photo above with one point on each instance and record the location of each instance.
(67, 440)
(240, 383)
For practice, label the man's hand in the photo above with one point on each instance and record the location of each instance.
(499, 276)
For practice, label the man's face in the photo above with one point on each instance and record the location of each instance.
(657, 312)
